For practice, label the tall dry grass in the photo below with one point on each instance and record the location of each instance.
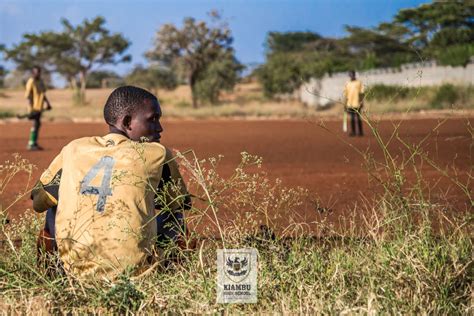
(407, 256)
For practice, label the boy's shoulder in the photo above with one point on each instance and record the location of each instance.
(83, 142)
(30, 81)
(353, 83)
(119, 142)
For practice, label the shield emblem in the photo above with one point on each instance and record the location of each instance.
(237, 265)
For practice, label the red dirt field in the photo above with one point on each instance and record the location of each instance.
(299, 152)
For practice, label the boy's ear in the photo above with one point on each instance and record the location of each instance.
(127, 122)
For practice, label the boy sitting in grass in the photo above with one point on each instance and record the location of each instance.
(107, 191)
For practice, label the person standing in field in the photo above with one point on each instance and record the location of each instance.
(354, 95)
(36, 95)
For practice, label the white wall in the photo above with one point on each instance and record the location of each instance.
(329, 88)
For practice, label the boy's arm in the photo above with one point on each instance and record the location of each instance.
(28, 91)
(361, 95)
(176, 196)
(48, 105)
(344, 97)
(45, 98)
(46, 191)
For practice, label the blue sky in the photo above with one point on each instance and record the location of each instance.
(250, 21)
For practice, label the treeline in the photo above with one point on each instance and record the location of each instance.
(442, 30)
(201, 54)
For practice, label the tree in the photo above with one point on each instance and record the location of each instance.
(456, 55)
(221, 74)
(73, 53)
(277, 42)
(103, 79)
(280, 74)
(192, 48)
(3, 73)
(152, 78)
(293, 58)
(374, 48)
(442, 29)
(285, 72)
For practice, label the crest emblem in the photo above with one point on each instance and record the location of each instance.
(237, 275)
(237, 266)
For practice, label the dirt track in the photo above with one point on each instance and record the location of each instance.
(299, 152)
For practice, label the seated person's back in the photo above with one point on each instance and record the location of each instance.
(105, 218)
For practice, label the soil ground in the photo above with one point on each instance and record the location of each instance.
(299, 152)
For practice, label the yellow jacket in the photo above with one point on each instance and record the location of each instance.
(352, 92)
(35, 91)
(106, 217)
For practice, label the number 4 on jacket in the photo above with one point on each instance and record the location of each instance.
(106, 163)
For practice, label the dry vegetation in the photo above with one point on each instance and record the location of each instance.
(246, 101)
(392, 262)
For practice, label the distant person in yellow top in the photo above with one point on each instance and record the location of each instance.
(36, 95)
(119, 197)
(354, 95)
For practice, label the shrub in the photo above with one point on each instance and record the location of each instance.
(122, 296)
(6, 114)
(220, 75)
(457, 55)
(103, 79)
(183, 104)
(446, 95)
(152, 78)
(384, 92)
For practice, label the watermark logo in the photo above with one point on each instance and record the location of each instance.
(237, 275)
(238, 266)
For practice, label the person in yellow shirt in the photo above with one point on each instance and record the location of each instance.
(354, 95)
(36, 95)
(112, 201)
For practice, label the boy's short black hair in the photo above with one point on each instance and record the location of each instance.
(123, 101)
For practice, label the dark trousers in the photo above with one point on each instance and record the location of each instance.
(35, 116)
(356, 121)
(50, 226)
(170, 225)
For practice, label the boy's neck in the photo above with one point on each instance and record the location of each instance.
(114, 130)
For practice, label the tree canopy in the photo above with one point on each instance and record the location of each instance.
(442, 30)
(103, 79)
(3, 73)
(73, 52)
(192, 49)
(152, 78)
(289, 42)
